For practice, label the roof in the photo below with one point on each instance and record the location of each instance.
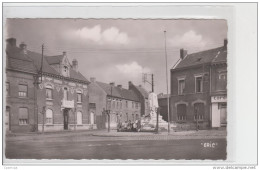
(54, 59)
(163, 96)
(18, 61)
(31, 62)
(209, 56)
(118, 92)
(142, 91)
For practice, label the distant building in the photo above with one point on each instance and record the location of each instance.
(198, 89)
(54, 99)
(143, 97)
(124, 104)
(163, 104)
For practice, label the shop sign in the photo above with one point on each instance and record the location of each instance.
(218, 99)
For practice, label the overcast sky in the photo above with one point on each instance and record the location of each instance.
(116, 50)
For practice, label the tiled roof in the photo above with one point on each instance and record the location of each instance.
(54, 59)
(31, 62)
(203, 57)
(142, 91)
(18, 61)
(118, 92)
(163, 96)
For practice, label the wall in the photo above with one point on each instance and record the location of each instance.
(98, 96)
(14, 101)
(56, 103)
(190, 97)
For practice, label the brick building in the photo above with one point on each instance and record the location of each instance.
(124, 104)
(143, 97)
(55, 98)
(198, 89)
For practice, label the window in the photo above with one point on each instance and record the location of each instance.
(133, 117)
(65, 71)
(126, 104)
(79, 118)
(181, 86)
(181, 112)
(23, 90)
(114, 104)
(65, 93)
(121, 104)
(222, 81)
(48, 93)
(198, 111)
(117, 104)
(79, 98)
(126, 116)
(133, 104)
(198, 84)
(49, 116)
(23, 116)
(7, 89)
(136, 105)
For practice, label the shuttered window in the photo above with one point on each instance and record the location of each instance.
(23, 116)
(49, 116)
(22, 90)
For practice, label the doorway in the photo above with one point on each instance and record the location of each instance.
(223, 114)
(66, 119)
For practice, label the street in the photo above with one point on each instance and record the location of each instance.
(80, 146)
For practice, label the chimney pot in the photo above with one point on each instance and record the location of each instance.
(112, 83)
(93, 79)
(75, 64)
(23, 47)
(183, 53)
(64, 53)
(11, 42)
(225, 43)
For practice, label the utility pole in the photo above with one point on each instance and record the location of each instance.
(42, 61)
(152, 84)
(168, 102)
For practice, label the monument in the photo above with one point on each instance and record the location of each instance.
(148, 122)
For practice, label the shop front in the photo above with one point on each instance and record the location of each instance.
(218, 111)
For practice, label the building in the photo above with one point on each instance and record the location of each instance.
(123, 104)
(163, 104)
(44, 93)
(143, 97)
(198, 89)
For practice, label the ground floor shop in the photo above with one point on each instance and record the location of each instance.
(218, 111)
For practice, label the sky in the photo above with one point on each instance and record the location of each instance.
(119, 50)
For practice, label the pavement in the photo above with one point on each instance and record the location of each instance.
(220, 133)
(114, 135)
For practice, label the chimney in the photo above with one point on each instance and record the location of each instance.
(120, 86)
(75, 64)
(225, 43)
(92, 79)
(112, 83)
(11, 42)
(64, 53)
(183, 53)
(23, 47)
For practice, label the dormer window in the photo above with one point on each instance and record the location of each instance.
(65, 71)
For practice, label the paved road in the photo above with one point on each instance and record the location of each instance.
(94, 147)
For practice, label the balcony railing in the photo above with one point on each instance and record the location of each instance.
(67, 103)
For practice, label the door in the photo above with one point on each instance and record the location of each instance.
(92, 118)
(223, 114)
(66, 119)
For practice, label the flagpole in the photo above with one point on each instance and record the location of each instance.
(168, 102)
